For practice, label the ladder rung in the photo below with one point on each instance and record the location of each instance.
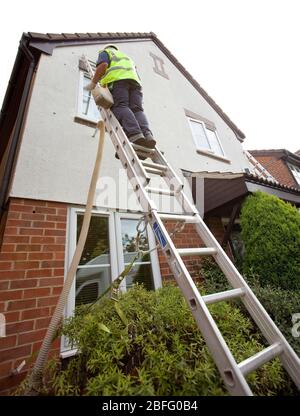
(191, 219)
(202, 251)
(262, 357)
(139, 148)
(156, 166)
(226, 295)
(162, 191)
(154, 171)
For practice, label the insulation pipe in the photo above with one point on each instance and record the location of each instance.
(36, 376)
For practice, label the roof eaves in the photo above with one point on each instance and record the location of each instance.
(271, 184)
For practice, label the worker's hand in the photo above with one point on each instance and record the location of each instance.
(90, 86)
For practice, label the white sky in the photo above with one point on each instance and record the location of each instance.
(244, 53)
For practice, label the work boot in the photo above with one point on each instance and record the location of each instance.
(149, 141)
(137, 139)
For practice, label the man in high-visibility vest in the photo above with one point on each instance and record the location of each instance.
(117, 71)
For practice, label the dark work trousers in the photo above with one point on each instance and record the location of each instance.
(128, 107)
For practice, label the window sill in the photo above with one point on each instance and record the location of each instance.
(85, 121)
(213, 155)
(68, 353)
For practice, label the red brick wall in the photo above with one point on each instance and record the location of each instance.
(188, 238)
(31, 277)
(32, 274)
(278, 169)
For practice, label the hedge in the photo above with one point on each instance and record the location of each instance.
(271, 234)
(155, 348)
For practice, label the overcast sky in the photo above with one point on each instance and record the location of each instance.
(244, 53)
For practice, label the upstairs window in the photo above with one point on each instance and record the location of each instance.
(295, 171)
(87, 111)
(87, 108)
(205, 139)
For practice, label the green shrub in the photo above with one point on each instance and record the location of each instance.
(280, 304)
(271, 233)
(158, 352)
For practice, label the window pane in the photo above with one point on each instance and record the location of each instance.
(89, 107)
(214, 142)
(129, 233)
(199, 135)
(96, 249)
(91, 282)
(140, 273)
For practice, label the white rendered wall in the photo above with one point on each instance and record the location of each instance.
(57, 154)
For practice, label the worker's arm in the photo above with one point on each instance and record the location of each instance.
(100, 71)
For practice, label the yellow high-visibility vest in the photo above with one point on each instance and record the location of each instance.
(121, 67)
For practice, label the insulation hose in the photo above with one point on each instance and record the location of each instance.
(35, 381)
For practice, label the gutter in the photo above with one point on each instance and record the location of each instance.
(23, 51)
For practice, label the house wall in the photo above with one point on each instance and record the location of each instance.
(32, 269)
(31, 278)
(57, 154)
(278, 169)
(188, 237)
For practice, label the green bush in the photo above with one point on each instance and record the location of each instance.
(155, 348)
(280, 304)
(271, 233)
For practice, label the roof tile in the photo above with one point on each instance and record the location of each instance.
(55, 36)
(38, 35)
(69, 36)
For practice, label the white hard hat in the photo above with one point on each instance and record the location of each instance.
(110, 45)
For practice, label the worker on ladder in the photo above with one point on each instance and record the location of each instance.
(117, 71)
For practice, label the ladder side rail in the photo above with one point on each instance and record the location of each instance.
(120, 140)
(170, 173)
(136, 182)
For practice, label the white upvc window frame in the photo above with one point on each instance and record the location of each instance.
(72, 229)
(295, 170)
(80, 114)
(157, 281)
(204, 149)
(116, 256)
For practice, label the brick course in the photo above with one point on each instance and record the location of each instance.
(188, 238)
(31, 278)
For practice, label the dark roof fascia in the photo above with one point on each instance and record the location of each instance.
(13, 112)
(291, 157)
(279, 153)
(47, 42)
(224, 192)
(267, 183)
(288, 196)
(272, 152)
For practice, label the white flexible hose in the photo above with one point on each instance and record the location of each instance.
(36, 376)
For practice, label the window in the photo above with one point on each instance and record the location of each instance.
(87, 108)
(93, 275)
(205, 139)
(142, 270)
(108, 249)
(295, 171)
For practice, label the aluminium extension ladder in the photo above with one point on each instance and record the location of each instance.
(232, 373)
